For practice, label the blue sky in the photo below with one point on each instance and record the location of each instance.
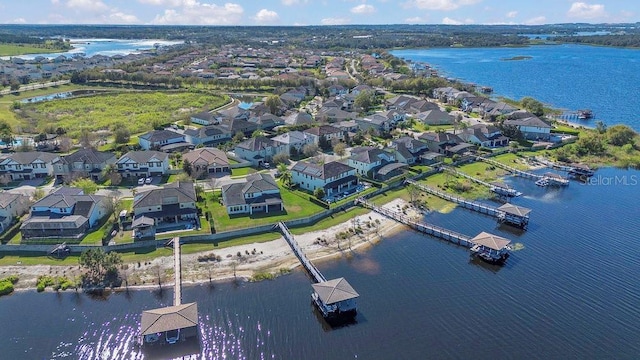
(316, 12)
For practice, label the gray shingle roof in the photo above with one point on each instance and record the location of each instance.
(88, 156)
(321, 171)
(183, 191)
(169, 318)
(208, 155)
(256, 144)
(333, 291)
(234, 194)
(143, 157)
(491, 241)
(160, 135)
(29, 157)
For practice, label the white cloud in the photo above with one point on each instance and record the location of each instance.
(19, 21)
(512, 14)
(291, 2)
(170, 3)
(363, 9)
(194, 12)
(444, 5)
(55, 2)
(87, 5)
(450, 21)
(118, 17)
(335, 21)
(415, 20)
(585, 11)
(540, 20)
(265, 16)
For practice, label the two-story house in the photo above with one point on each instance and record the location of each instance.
(143, 164)
(27, 165)
(532, 127)
(211, 134)
(87, 162)
(484, 135)
(259, 193)
(11, 206)
(165, 208)
(156, 139)
(374, 122)
(333, 177)
(366, 160)
(207, 161)
(435, 117)
(67, 213)
(330, 133)
(292, 140)
(258, 150)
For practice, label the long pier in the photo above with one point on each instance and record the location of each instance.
(546, 179)
(429, 229)
(306, 263)
(177, 270)
(500, 190)
(507, 213)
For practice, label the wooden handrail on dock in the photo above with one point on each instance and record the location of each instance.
(556, 180)
(306, 263)
(498, 190)
(177, 294)
(437, 231)
(471, 205)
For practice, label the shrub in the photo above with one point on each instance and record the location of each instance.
(6, 287)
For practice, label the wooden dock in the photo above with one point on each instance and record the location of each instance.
(542, 180)
(177, 270)
(336, 298)
(498, 189)
(508, 213)
(477, 244)
(572, 169)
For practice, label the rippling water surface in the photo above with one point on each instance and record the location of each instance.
(570, 291)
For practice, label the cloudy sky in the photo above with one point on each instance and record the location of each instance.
(316, 12)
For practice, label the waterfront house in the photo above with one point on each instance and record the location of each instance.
(143, 164)
(258, 150)
(333, 177)
(88, 163)
(170, 207)
(259, 193)
(440, 142)
(11, 206)
(366, 160)
(484, 135)
(207, 160)
(157, 139)
(531, 127)
(27, 165)
(67, 213)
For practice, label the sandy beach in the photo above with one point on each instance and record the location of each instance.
(273, 257)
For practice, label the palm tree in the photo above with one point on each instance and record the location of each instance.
(285, 175)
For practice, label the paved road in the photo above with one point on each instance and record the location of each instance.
(35, 86)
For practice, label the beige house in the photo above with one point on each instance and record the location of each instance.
(207, 161)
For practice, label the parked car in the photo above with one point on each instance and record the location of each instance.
(148, 181)
(141, 181)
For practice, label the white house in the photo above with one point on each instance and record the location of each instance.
(329, 132)
(27, 165)
(210, 134)
(333, 177)
(532, 128)
(258, 150)
(292, 139)
(143, 164)
(11, 206)
(156, 139)
(365, 159)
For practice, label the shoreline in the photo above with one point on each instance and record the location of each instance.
(274, 257)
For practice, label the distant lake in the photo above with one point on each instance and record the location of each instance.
(569, 77)
(107, 47)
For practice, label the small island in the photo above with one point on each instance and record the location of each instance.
(518, 58)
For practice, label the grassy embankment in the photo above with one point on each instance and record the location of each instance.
(22, 49)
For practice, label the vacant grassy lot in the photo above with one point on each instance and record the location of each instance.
(137, 111)
(21, 49)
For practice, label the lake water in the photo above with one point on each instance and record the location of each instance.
(107, 47)
(570, 292)
(570, 77)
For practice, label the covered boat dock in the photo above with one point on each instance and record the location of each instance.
(170, 324)
(335, 297)
(514, 215)
(490, 248)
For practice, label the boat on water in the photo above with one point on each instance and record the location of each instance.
(490, 248)
(585, 114)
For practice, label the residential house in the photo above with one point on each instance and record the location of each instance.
(332, 114)
(435, 117)
(374, 122)
(407, 150)
(165, 208)
(210, 134)
(400, 102)
(441, 142)
(67, 213)
(27, 165)
(532, 127)
(299, 118)
(366, 160)
(207, 160)
(204, 118)
(267, 121)
(12, 206)
(292, 140)
(258, 150)
(87, 162)
(157, 139)
(234, 126)
(484, 135)
(258, 194)
(333, 177)
(330, 133)
(143, 164)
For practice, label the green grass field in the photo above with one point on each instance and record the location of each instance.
(137, 111)
(20, 49)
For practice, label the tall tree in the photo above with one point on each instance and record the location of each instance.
(6, 133)
(274, 103)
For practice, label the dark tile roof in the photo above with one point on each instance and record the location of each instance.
(183, 191)
(29, 157)
(206, 131)
(256, 144)
(235, 194)
(321, 171)
(368, 156)
(208, 155)
(160, 135)
(323, 130)
(143, 157)
(88, 156)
